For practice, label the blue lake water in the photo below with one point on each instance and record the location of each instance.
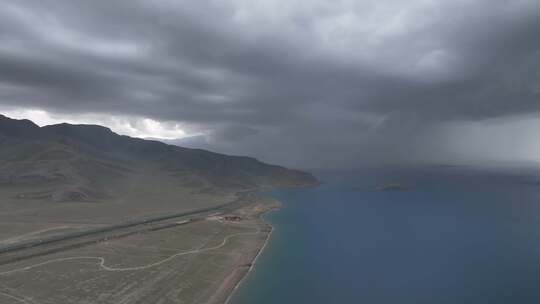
(456, 236)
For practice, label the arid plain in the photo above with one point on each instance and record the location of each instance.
(197, 259)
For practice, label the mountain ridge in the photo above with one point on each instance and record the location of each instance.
(90, 162)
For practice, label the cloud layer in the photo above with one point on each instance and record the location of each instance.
(306, 83)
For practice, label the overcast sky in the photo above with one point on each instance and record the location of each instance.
(305, 83)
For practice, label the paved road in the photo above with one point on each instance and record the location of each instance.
(194, 214)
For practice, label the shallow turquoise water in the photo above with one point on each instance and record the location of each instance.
(457, 236)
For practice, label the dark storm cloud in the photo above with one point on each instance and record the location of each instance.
(314, 83)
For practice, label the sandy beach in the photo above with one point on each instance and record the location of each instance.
(247, 263)
(237, 277)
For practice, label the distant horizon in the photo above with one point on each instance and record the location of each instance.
(358, 166)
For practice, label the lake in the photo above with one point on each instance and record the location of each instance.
(456, 235)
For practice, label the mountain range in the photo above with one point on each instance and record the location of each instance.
(66, 162)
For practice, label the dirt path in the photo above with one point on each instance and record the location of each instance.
(142, 267)
(23, 236)
(21, 300)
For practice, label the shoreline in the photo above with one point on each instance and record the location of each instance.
(221, 254)
(240, 274)
(251, 267)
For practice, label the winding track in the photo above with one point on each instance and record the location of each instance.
(14, 298)
(108, 268)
